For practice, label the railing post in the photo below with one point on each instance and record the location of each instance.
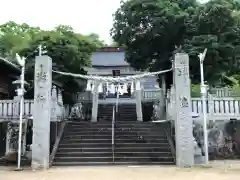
(210, 106)
(16, 104)
(237, 106)
(113, 133)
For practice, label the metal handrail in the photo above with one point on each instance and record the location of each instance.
(169, 134)
(113, 133)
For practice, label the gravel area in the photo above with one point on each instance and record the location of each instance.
(221, 170)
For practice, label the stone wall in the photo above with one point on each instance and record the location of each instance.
(223, 139)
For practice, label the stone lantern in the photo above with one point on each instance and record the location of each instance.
(18, 90)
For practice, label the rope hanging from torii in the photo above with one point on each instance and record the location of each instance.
(113, 79)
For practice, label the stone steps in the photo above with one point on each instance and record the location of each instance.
(117, 158)
(86, 143)
(97, 163)
(126, 112)
(109, 149)
(109, 140)
(109, 153)
(135, 143)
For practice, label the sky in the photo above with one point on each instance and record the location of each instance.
(85, 16)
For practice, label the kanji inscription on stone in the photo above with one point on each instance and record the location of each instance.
(184, 102)
(183, 121)
(42, 112)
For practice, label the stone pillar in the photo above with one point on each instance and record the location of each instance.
(138, 95)
(42, 112)
(95, 102)
(60, 105)
(162, 102)
(54, 103)
(163, 85)
(183, 121)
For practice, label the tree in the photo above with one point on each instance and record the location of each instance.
(145, 28)
(70, 51)
(213, 26)
(151, 29)
(94, 38)
(14, 37)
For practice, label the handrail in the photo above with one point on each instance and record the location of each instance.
(57, 141)
(113, 133)
(169, 134)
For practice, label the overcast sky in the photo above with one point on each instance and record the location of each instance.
(85, 16)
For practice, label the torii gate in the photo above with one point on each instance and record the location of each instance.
(42, 112)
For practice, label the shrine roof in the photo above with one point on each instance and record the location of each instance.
(109, 56)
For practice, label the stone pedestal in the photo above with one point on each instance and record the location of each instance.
(183, 121)
(42, 112)
(138, 94)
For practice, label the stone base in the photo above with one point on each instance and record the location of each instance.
(198, 159)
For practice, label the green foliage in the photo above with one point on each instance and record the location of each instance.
(234, 83)
(94, 38)
(144, 27)
(152, 29)
(215, 28)
(69, 51)
(195, 90)
(14, 37)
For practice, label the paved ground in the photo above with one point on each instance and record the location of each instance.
(219, 170)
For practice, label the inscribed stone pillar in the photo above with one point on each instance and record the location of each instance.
(42, 112)
(183, 121)
(138, 100)
(95, 102)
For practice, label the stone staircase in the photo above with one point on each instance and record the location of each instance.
(84, 143)
(135, 143)
(142, 143)
(126, 112)
(105, 112)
